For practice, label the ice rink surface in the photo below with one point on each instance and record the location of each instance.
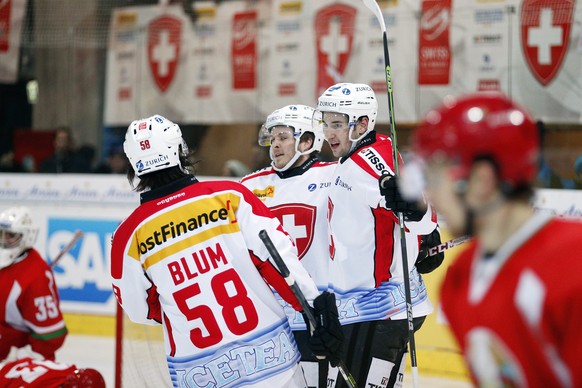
(99, 353)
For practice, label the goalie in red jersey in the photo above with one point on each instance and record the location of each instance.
(29, 300)
(513, 298)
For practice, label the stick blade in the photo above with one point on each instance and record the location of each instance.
(373, 6)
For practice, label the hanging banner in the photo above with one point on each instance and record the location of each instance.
(244, 50)
(486, 39)
(434, 51)
(334, 34)
(545, 35)
(236, 61)
(11, 19)
(164, 43)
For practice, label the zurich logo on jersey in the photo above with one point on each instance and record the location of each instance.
(159, 119)
(139, 165)
(312, 187)
(292, 108)
(346, 91)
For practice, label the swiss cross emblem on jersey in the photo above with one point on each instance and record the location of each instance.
(545, 34)
(164, 37)
(299, 221)
(334, 34)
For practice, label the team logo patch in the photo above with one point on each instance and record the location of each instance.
(299, 221)
(164, 49)
(545, 36)
(267, 192)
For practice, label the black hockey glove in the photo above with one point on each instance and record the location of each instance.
(425, 263)
(328, 337)
(411, 210)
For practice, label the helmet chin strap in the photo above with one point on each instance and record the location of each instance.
(355, 141)
(289, 163)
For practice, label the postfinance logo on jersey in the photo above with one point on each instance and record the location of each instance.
(184, 226)
(267, 192)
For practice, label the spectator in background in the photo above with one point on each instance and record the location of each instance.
(64, 158)
(578, 173)
(116, 163)
(235, 168)
(9, 164)
(547, 177)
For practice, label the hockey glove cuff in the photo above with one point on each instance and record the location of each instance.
(425, 263)
(327, 338)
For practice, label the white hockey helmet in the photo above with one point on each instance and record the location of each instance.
(353, 101)
(153, 144)
(299, 119)
(17, 234)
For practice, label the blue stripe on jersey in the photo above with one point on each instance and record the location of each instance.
(381, 303)
(268, 353)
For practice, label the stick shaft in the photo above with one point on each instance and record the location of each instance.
(447, 245)
(284, 270)
(78, 234)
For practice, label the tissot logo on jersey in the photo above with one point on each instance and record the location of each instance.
(375, 160)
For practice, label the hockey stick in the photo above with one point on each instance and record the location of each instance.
(350, 381)
(373, 6)
(447, 245)
(78, 234)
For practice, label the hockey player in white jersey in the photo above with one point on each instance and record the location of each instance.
(190, 258)
(295, 188)
(366, 264)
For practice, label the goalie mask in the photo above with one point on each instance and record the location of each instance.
(350, 100)
(153, 144)
(297, 119)
(17, 234)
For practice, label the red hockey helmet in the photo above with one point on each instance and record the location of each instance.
(84, 378)
(489, 125)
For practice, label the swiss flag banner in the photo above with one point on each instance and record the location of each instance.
(334, 34)
(244, 50)
(434, 51)
(545, 35)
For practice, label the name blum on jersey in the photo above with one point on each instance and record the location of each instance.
(375, 161)
(144, 165)
(202, 262)
(173, 230)
(268, 354)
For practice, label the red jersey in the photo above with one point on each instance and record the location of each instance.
(30, 373)
(29, 307)
(517, 315)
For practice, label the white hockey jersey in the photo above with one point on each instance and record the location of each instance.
(298, 198)
(366, 267)
(190, 257)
